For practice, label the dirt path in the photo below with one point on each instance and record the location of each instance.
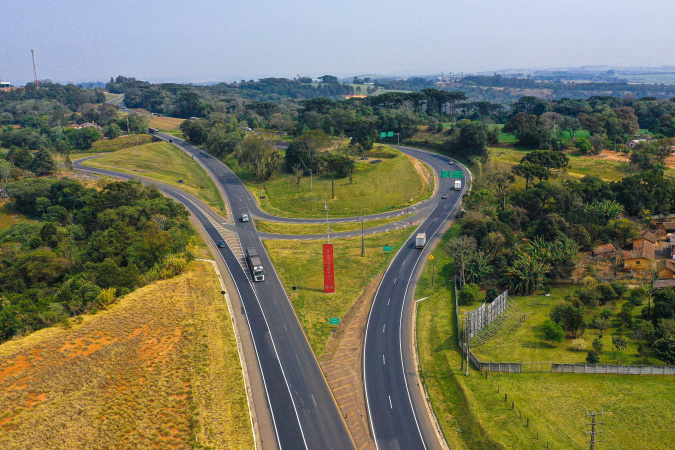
(343, 369)
(421, 170)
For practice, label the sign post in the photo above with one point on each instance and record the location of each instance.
(387, 248)
(328, 269)
(334, 320)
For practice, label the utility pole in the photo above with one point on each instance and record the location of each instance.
(363, 242)
(37, 82)
(433, 268)
(325, 195)
(593, 424)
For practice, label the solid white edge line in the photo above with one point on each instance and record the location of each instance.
(231, 311)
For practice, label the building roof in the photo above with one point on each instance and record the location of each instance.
(649, 236)
(646, 251)
(664, 283)
(668, 225)
(604, 248)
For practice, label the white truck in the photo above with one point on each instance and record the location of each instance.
(254, 264)
(458, 185)
(420, 240)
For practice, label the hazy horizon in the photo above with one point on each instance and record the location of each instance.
(198, 42)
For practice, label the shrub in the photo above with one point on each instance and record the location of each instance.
(589, 282)
(597, 345)
(553, 331)
(619, 343)
(469, 294)
(593, 357)
(606, 293)
(578, 344)
(588, 297)
(619, 288)
(570, 317)
(636, 296)
(491, 294)
(665, 349)
(106, 296)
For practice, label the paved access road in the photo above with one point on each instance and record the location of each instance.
(303, 410)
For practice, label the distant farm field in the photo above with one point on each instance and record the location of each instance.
(165, 123)
(159, 369)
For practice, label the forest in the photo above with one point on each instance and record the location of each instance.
(86, 248)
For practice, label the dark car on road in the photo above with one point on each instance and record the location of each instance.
(221, 244)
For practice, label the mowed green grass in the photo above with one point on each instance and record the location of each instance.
(319, 228)
(164, 162)
(392, 184)
(527, 343)
(472, 414)
(299, 263)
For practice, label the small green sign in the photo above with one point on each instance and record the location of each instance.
(445, 174)
(383, 134)
(334, 321)
(387, 248)
(457, 174)
(390, 134)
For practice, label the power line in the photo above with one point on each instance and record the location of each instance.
(593, 423)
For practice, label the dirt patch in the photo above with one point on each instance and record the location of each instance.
(421, 170)
(342, 366)
(610, 155)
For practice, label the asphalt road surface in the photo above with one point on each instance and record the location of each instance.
(396, 409)
(303, 410)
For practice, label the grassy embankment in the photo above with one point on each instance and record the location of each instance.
(164, 162)
(299, 263)
(318, 228)
(473, 414)
(10, 216)
(159, 368)
(168, 125)
(388, 185)
(119, 143)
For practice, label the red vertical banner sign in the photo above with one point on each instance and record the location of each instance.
(328, 269)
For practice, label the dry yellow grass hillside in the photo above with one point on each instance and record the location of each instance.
(159, 369)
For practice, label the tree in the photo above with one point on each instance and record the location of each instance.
(593, 357)
(469, 294)
(570, 317)
(138, 123)
(526, 274)
(461, 248)
(619, 343)
(571, 125)
(597, 345)
(297, 172)
(553, 331)
(597, 142)
(43, 163)
(549, 159)
(22, 158)
(261, 155)
(501, 185)
(583, 144)
(221, 142)
(478, 268)
(530, 172)
(665, 349)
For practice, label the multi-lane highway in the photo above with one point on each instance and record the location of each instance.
(304, 413)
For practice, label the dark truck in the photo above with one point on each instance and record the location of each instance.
(254, 264)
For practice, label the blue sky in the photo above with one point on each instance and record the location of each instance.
(201, 40)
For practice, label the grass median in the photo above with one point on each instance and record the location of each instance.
(390, 184)
(320, 228)
(299, 263)
(164, 162)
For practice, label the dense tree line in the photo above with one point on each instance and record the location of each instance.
(87, 247)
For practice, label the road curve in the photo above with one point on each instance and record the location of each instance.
(396, 404)
(303, 410)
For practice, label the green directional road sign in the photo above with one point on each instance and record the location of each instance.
(383, 134)
(457, 174)
(387, 248)
(445, 174)
(334, 321)
(390, 134)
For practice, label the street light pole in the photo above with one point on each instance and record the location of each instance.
(363, 242)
